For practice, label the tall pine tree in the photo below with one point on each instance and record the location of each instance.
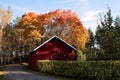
(117, 33)
(105, 34)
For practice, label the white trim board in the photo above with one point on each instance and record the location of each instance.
(51, 39)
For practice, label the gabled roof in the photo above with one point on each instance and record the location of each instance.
(51, 39)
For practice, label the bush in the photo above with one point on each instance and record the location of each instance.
(115, 56)
(81, 56)
(99, 70)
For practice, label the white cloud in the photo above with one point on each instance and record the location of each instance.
(92, 15)
(90, 18)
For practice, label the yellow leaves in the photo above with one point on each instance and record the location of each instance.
(36, 35)
(1, 33)
(32, 27)
(29, 19)
(64, 23)
(80, 34)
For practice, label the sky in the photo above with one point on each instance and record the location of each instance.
(87, 10)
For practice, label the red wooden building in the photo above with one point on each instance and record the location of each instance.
(53, 49)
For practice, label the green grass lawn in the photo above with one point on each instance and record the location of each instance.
(2, 73)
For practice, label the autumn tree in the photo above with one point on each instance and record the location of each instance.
(11, 41)
(63, 23)
(31, 29)
(5, 16)
(66, 25)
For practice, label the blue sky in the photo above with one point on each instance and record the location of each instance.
(87, 10)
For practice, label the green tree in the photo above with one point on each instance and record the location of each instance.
(105, 34)
(5, 18)
(90, 46)
(91, 42)
(108, 37)
(117, 34)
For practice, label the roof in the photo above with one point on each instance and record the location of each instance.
(51, 39)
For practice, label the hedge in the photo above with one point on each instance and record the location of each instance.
(95, 70)
(114, 56)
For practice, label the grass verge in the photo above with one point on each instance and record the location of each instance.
(2, 73)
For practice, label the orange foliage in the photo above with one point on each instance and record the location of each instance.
(65, 24)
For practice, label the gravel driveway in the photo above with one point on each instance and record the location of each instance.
(16, 72)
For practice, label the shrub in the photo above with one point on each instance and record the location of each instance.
(115, 56)
(100, 70)
(81, 56)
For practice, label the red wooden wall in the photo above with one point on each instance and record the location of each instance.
(55, 49)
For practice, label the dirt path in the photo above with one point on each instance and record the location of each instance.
(16, 72)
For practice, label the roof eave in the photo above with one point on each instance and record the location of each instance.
(51, 39)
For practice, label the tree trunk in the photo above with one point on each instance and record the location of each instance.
(1, 59)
